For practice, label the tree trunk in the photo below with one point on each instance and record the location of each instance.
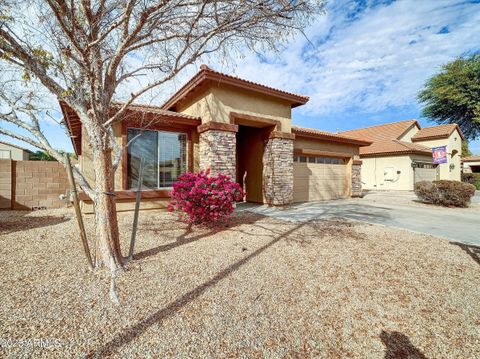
(108, 252)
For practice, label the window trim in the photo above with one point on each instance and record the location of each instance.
(159, 128)
(336, 160)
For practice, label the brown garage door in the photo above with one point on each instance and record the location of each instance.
(425, 172)
(319, 178)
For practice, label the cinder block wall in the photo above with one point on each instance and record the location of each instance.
(5, 184)
(39, 184)
(29, 184)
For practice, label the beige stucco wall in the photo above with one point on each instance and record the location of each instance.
(117, 130)
(216, 104)
(85, 160)
(407, 136)
(129, 205)
(305, 143)
(373, 173)
(16, 154)
(454, 142)
(374, 168)
(203, 105)
(86, 165)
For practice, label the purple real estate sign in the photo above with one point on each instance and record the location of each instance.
(439, 154)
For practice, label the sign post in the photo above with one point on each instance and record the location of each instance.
(137, 208)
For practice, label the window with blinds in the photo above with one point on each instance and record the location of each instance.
(164, 155)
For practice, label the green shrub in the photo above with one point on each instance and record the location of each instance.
(472, 178)
(445, 193)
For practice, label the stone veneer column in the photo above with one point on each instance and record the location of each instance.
(278, 169)
(356, 178)
(218, 148)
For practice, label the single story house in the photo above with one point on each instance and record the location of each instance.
(233, 126)
(401, 154)
(471, 164)
(14, 152)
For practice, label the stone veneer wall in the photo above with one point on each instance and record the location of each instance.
(356, 179)
(218, 152)
(278, 171)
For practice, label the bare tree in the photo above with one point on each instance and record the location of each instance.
(86, 53)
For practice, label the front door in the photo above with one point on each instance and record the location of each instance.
(250, 149)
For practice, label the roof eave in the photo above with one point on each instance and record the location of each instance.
(437, 137)
(16, 146)
(66, 117)
(181, 119)
(333, 138)
(184, 90)
(390, 153)
(207, 74)
(470, 159)
(429, 138)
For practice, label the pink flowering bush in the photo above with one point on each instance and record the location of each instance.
(204, 199)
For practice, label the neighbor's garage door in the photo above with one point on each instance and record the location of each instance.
(319, 178)
(425, 172)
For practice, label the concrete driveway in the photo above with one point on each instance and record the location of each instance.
(455, 224)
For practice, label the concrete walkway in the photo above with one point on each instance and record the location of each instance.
(455, 224)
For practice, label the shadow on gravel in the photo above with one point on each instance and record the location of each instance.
(180, 241)
(25, 223)
(398, 346)
(472, 251)
(129, 334)
(186, 237)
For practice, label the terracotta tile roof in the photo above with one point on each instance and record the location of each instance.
(434, 132)
(311, 132)
(393, 147)
(75, 127)
(387, 131)
(158, 110)
(471, 159)
(206, 74)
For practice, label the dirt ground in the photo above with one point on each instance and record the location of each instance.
(257, 287)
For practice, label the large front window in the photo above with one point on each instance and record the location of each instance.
(164, 155)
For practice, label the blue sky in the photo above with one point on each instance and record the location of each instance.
(362, 63)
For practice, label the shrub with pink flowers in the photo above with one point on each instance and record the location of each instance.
(204, 199)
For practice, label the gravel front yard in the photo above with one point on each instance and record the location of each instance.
(260, 287)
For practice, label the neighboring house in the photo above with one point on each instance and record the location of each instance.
(401, 154)
(233, 126)
(14, 152)
(471, 164)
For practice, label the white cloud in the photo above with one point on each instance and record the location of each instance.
(381, 58)
(368, 56)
